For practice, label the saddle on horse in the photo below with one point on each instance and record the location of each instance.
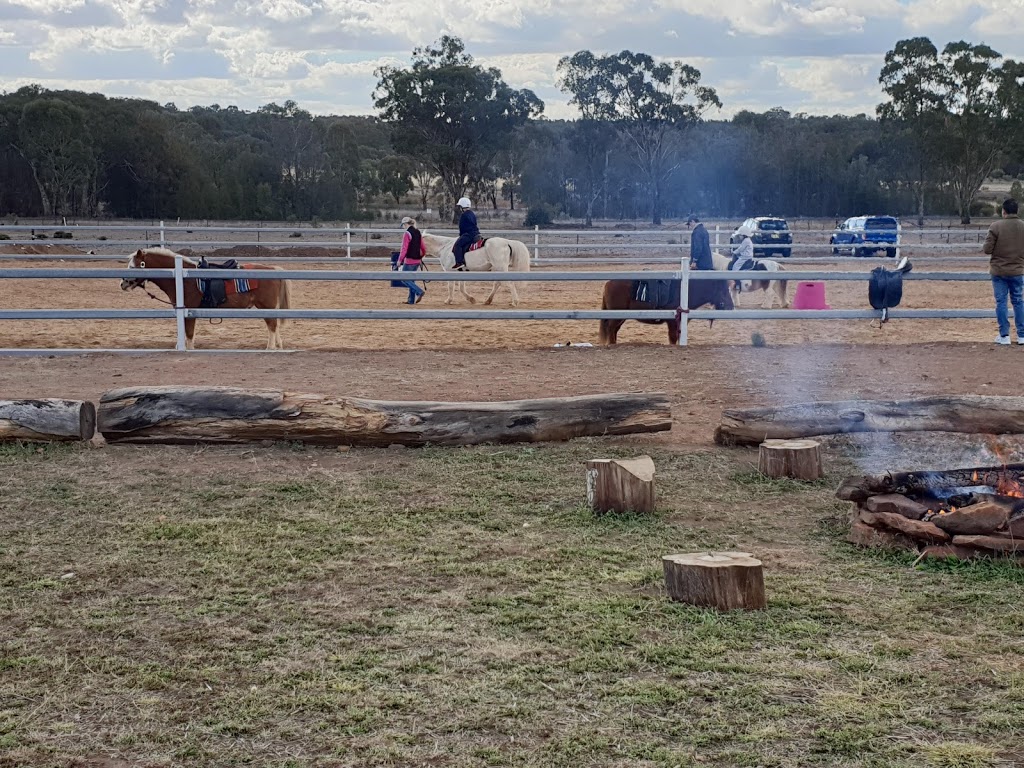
(748, 265)
(216, 290)
(660, 294)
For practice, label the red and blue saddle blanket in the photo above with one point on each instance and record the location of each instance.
(477, 245)
(216, 291)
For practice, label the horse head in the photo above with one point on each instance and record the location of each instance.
(136, 261)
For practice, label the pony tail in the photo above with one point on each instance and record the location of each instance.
(284, 299)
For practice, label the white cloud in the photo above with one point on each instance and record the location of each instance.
(803, 55)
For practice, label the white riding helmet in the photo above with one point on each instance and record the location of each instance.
(464, 203)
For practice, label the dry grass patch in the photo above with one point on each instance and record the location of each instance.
(291, 607)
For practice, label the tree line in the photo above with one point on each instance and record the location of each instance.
(447, 126)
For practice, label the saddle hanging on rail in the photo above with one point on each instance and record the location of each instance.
(885, 288)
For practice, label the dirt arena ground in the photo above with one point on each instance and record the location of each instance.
(471, 334)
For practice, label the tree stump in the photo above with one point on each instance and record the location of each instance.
(621, 485)
(798, 459)
(725, 581)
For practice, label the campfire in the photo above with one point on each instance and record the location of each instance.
(966, 513)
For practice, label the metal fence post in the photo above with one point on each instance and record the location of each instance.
(163, 243)
(536, 241)
(684, 298)
(348, 239)
(179, 302)
(718, 229)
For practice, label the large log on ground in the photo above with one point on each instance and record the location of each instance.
(726, 581)
(47, 420)
(975, 414)
(621, 485)
(798, 459)
(233, 415)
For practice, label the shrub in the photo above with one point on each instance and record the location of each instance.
(102, 237)
(42, 236)
(757, 339)
(295, 234)
(63, 235)
(4, 237)
(539, 216)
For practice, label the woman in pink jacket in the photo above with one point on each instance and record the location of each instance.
(410, 258)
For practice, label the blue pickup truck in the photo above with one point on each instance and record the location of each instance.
(867, 235)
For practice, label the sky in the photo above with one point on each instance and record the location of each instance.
(812, 56)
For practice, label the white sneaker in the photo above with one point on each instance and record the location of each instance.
(1020, 341)
(1004, 340)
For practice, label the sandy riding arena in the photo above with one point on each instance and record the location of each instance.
(468, 334)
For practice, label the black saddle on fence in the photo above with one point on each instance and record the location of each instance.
(214, 290)
(885, 288)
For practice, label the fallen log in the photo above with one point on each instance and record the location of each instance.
(975, 414)
(233, 415)
(47, 420)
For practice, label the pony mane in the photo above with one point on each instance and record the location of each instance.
(161, 251)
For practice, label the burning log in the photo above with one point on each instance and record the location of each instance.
(968, 513)
(621, 485)
(47, 420)
(975, 414)
(798, 459)
(726, 581)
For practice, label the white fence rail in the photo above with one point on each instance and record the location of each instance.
(182, 272)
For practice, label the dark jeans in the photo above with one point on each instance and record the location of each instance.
(459, 249)
(414, 290)
(1012, 288)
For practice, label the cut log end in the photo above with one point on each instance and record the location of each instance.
(725, 581)
(47, 420)
(621, 485)
(797, 459)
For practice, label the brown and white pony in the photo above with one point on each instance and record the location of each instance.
(773, 289)
(497, 255)
(263, 294)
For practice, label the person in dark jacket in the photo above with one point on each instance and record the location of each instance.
(700, 246)
(469, 233)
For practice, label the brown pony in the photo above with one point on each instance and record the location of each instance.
(618, 294)
(264, 294)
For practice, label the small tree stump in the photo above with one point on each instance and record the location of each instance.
(621, 485)
(798, 459)
(726, 581)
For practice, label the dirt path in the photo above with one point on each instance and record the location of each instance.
(701, 380)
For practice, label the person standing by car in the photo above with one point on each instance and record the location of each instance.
(1005, 245)
(700, 245)
(410, 258)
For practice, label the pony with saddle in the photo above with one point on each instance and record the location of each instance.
(242, 293)
(491, 254)
(659, 294)
(773, 289)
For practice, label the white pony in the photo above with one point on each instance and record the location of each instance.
(497, 255)
(777, 287)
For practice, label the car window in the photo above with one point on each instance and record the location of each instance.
(881, 222)
(773, 225)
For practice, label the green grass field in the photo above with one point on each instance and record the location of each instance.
(288, 607)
